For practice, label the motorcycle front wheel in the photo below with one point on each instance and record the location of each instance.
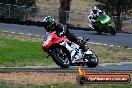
(60, 56)
(99, 32)
(112, 31)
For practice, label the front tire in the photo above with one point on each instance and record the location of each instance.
(112, 31)
(60, 56)
(99, 32)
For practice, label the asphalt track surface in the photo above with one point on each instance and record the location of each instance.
(109, 67)
(120, 39)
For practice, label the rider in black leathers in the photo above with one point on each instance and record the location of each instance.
(50, 25)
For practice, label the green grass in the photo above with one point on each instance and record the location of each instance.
(22, 53)
(65, 85)
(109, 54)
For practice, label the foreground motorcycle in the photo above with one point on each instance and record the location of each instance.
(64, 52)
(103, 24)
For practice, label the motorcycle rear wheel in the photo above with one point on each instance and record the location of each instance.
(92, 60)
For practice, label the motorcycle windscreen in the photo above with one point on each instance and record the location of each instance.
(104, 18)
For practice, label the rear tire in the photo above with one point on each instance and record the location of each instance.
(93, 60)
(57, 56)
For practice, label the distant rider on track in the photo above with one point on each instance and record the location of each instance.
(94, 13)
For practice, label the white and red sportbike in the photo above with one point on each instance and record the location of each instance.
(66, 53)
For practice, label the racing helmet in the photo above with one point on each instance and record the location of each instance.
(95, 10)
(48, 22)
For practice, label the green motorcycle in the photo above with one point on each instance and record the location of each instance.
(103, 24)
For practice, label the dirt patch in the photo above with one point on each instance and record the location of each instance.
(38, 78)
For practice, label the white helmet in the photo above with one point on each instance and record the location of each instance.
(94, 10)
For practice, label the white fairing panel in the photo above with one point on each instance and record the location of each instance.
(89, 52)
(73, 48)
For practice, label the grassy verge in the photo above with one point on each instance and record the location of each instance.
(20, 50)
(25, 50)
(66, 85)
(109, 54)
(21, 53)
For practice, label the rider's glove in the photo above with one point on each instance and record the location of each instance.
(61, 34)
(92, 20)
